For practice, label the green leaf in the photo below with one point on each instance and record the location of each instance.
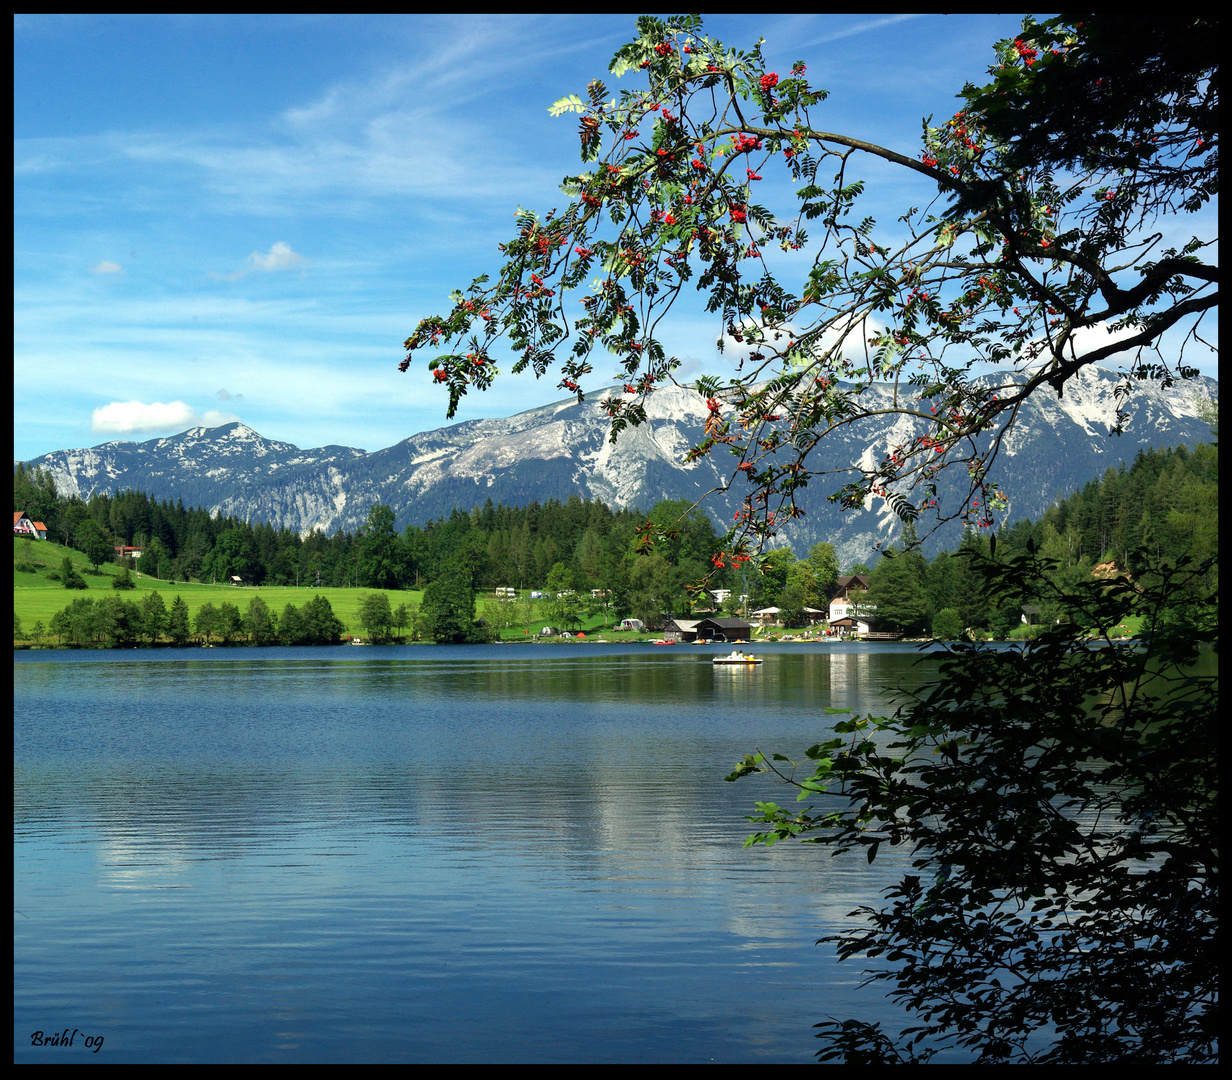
(570, 103)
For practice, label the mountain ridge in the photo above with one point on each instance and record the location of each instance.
(562, 449)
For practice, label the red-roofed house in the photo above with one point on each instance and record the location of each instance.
(23, 526)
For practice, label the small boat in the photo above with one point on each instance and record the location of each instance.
(736, 658)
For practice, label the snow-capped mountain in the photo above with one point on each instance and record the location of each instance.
(555, 451)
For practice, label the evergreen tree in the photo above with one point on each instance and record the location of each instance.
(69, 578)
(947, 625)
(968, 587)
(153, 616)
(896, 588)
(230, 622)
(292, 629)
(563, 606)
(177, 622)
(651, 589)
(382, 558)
(34, 492)
(402, 618)
(95, 543)
(322, 626)
(117, 621)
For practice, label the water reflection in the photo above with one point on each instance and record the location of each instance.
(475, 854)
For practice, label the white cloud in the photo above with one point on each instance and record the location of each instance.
(215, 418)
(106, 267)
(1089, 338)
(1084, 340)
(136, 417)
(279, 257)
(848, 330)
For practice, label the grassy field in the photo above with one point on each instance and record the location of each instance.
(36, 597)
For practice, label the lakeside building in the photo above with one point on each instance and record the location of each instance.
(710, 629)
(849, 614)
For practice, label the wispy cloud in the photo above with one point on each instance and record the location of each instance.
(138, 418)
(868, 26)
(107, 267)
(279, 257)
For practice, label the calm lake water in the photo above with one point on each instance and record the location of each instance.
(483, 853)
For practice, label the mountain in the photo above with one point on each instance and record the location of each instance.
(555, 451)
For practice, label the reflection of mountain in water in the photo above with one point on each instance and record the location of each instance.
(615, 751)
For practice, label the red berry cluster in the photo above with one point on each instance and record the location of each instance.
(1027, 53)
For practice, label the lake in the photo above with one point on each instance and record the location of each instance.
(421, 853)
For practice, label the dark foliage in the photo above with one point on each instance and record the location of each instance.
(1061, 804)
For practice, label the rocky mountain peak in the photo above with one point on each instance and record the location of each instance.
(562, 449)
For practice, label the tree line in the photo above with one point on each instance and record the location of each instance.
(115, 622)
(590, 560)
(502, 545)
(1162, 506)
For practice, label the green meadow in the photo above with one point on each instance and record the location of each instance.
(37, 597)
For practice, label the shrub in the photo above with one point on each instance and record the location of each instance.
(947, 625)
(69, 576)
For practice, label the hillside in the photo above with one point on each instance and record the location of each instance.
(37, 597)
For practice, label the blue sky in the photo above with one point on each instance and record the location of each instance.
(221, 218)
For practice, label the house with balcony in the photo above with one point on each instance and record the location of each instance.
(849, 614)
(24, 526)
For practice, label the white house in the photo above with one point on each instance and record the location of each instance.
(23, 526)
(843, 614)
